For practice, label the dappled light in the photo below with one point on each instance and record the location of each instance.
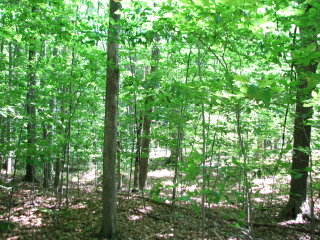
(135, 217)
(159, 119)
(165, 236)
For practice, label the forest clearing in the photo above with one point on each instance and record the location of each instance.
(159, 119)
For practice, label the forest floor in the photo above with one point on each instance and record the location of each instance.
(36, 214)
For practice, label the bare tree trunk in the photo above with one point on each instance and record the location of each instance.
(47, 168)
(204, 152)
(31, 111)
(138, 156)
(145, 148)
(8, 137)
(68, 128)
(60, 157)
(57, 172)
(109, 221)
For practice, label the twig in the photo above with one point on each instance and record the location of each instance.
(215, 233)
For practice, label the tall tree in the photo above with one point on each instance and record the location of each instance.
(109, 221)
(146, 126)
(31, 111)
(306, 67)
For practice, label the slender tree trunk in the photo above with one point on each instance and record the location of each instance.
(2, 160)
(243, 154)
(31, 111)
(180, 138)
(60, 157)
(68, 128)
(44, 157)
(57, 172)
(204, 151)
(109, 221)
(145, 148)
(2, 123)
(176, 159)
(297, 203)
(138, 156)
(132, 155)
(146, 128)
(47, 168)
(8, 137)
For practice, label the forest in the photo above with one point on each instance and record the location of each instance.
(159, 119)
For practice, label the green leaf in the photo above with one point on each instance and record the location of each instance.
(240, 78)
(196, 207)
(205, 3)
(314, 94)
(193, 171)
(236, 162)
(259, 173)
(266, 95)
(309, 169)
(183, 198)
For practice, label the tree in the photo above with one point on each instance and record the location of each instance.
(31, 111)
(306, 67)
(109, 221)
(146, 126)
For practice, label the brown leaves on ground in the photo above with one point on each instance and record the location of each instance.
(36, 215)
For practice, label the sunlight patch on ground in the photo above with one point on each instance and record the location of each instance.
(90, 175)
(165, 235)
(147, 209)
(78, 206)
(161, 173)
(268, 185)
(135, 217)
(31, 220)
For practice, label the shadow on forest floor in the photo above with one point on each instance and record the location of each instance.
(36, 216)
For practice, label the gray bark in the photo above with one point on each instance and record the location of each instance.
(109, 221)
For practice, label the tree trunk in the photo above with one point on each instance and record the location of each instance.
(9, 153)
(145, 142)
(68, 129)
(119, 177)
(59, 164)
(138, 156)
(57, 172)
(297, 203)
(109, 221)
(31, 126)
(145, 148)
(44, 160)
(47, 168)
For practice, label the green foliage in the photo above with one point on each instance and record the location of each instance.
(6, 226)
(220, 57)
(155, 191)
